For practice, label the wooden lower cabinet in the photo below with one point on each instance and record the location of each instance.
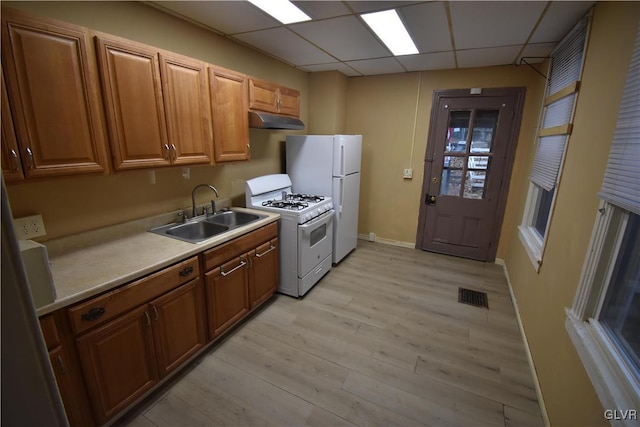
(227, 294)
(118, 360)
(263, 274)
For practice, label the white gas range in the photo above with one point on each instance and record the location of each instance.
(305, 232)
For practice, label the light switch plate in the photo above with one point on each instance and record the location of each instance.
(407, 174)
(29, 227)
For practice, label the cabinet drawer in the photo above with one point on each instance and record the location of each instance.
(98, 310)
(49, 331)
(215, 257)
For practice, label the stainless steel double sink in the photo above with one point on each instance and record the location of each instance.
(206, 226)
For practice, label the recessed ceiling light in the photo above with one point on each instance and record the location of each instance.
(388, 26)
(283, 10)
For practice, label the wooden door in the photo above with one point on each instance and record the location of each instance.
(263, 96)
(11, 166)
(289, 102)
(133, 97)
(227, 295)
(263, 274)
(470, 151)
(178, 325)
(186, 103)
(53, 90)
(118, 360)
(229, 106)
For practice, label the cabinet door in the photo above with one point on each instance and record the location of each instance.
(229, 107)
(289, 102)
(227, 295)
(118, 361)
(186, 104)
(62, 368)
(263, 274)
(133, 97)
(54, 95)
(178, 325)
(263, 96)
(11, 167)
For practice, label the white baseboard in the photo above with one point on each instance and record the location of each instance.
(377, 239)
(532, 366)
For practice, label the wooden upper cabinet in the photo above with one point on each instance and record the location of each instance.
(11, 167)
(269, 97)
(184, 82)
(54, 92)
(134, 105)
(229, 106)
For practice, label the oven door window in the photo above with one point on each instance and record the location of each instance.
(317, 235)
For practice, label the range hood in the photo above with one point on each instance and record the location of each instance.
(260, 120)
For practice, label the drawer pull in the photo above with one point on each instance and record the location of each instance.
(63, 368)
(226, 273)
(186, 271)
(265, 252)
(93, 314)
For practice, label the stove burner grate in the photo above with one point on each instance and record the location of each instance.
(304, 197)
(286, 204)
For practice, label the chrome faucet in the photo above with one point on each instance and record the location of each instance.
(193, 198)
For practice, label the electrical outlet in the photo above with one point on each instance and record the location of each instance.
(29, 227)
(407, 174)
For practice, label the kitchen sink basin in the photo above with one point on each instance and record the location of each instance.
(232, 219)
(206, 226)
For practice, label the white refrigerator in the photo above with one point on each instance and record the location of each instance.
(329, 165)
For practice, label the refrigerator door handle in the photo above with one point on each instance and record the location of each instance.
(341, 195)
(343, 158)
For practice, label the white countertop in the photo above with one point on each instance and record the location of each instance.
(90, 263)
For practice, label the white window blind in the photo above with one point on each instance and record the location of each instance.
(565, 71)
(621, 185)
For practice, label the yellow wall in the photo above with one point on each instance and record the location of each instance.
(383, 109)
(327, 111)
(71, 205)
(542, 298)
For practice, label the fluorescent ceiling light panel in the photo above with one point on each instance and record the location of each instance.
(389, 28)
(283, 10)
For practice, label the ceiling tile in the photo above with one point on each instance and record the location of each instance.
(285, 44)
(377, 66)
(334, 66)
(487, 57)
(559, 19)
(428, 27)
(346, 38)
(428, 61)
(228, 17)
(478, 24)
(323, 9)
(374, 6)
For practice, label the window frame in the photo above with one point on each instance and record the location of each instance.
(615, 381)
(530, 238)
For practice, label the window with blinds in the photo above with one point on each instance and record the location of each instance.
(621, 184)
(562, 88)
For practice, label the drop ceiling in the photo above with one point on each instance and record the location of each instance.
(448, 34)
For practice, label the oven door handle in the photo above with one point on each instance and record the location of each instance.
(324, 218)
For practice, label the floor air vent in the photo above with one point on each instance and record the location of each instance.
(475, 298)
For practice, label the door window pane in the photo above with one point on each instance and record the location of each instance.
(474, 185)
(483, 130)
(621, 310)
(451, 182)
(478, 162)
(458, 131)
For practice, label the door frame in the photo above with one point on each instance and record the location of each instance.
(517, 94)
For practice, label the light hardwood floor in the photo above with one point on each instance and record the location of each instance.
(380, 341)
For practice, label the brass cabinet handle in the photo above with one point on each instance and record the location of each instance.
(226, 273)
(166, 148)
(63, 368)
(146, 314)
(30, 154)
(155, 313)
(175, 151)
(186, 271)
(93, 314)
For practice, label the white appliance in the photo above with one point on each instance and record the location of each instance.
(305, 231)
(330, 164)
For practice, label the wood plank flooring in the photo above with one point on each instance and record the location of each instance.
(380, 341)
